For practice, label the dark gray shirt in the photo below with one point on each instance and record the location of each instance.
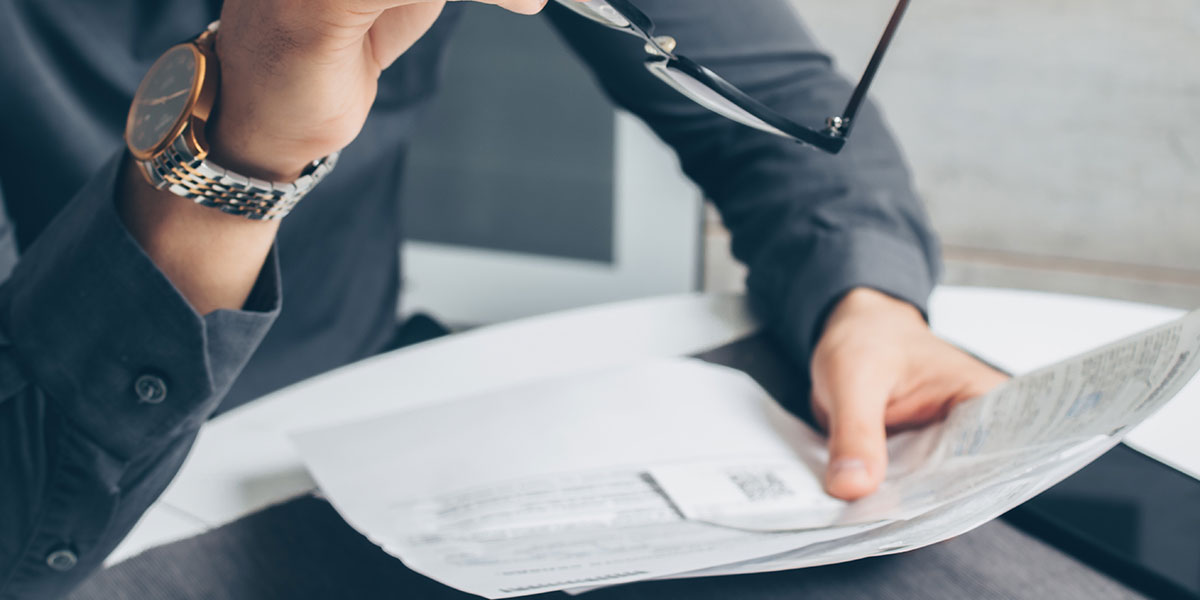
(106, 372)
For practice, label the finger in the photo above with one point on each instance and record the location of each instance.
(955, 381)
(901, 418)
(924, 401)
(970, 378)
(820, 415)
(397, 29)
(983, 379)
(857, 434)
(524, 7)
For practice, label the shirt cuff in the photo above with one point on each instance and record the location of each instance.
(105, 334)
(838, 262)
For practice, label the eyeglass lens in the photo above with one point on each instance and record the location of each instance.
(705, 96)
(599, 11)
(602, 12)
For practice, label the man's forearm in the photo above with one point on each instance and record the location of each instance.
(106, 372)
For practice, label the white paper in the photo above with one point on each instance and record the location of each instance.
(544, 487)
(565, 531)
(786, 493)
(762, 495)
(998, 451)
(679, 468)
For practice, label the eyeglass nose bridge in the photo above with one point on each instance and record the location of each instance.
(720, 96)
(661, 45)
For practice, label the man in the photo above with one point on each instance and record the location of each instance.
(133, 313)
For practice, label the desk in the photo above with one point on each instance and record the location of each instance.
(243, 462)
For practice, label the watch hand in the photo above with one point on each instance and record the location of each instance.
(157, 101)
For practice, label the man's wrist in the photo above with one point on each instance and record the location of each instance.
(868, 303)
(864, 300)
(242, 149)
(211, 257)
(248, 132)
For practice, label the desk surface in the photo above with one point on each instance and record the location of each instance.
(243, 460)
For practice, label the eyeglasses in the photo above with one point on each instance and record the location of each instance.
(706, 88)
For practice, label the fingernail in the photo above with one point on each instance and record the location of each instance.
(849, 471)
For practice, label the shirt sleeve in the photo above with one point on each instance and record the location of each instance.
(106, 373)
(809, 226)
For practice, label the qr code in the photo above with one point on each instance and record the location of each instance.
(759, 486)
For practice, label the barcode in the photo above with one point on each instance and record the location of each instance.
(759, 485)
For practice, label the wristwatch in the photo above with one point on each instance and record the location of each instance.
(165, 135)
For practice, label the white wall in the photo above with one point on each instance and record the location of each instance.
(1056, 142)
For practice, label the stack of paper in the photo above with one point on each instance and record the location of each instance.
(678, 468)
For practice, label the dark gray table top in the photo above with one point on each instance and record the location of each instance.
(302, 550)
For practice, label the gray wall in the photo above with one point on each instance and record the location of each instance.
(514, 154)
(1056, 142)
(527, 193)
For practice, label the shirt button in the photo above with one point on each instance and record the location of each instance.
(150, 389)
(62, 560)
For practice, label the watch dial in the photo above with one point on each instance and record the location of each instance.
(162, 99)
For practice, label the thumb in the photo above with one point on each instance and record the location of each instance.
(524, 7)
(857, 434)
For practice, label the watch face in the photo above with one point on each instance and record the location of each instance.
(163, 100)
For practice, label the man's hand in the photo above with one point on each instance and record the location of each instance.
(297, 82)
(878, 368)
(298, 78)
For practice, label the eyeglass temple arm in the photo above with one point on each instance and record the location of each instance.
(840, 126)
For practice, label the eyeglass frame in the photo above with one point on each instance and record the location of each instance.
(622, 15)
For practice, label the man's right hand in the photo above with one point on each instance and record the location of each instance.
(298, 78)
(297, 81)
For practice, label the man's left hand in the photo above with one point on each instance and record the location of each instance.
(878, 368)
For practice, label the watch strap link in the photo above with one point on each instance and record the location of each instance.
(179, 171)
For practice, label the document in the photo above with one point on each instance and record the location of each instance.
(679, 468)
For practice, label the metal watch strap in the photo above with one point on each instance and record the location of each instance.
(178, 170)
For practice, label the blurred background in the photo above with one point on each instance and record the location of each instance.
(1056, 144)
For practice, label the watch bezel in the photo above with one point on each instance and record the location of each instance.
(177, 163)
(194, 116)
